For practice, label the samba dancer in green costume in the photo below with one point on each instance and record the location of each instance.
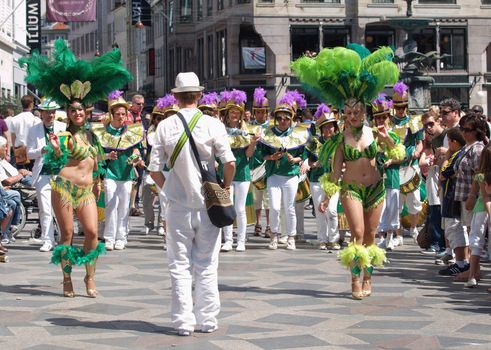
(76, 154)
(352, 77)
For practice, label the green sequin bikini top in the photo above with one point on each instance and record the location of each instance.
(351, 153)
(79, 151)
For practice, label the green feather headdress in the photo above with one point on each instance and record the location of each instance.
(338, 74)
(66, 79)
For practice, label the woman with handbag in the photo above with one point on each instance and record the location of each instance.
(283, 149)
(351, 78)
(243, 145)
(76, 153)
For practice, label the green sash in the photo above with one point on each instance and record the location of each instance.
(184, 138)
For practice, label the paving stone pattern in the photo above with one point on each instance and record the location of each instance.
(270, 300)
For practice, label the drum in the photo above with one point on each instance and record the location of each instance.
(258, 177)
(303, 190)
(406, 222)
(409, 179)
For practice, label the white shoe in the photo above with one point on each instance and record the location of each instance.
(273, 243)
(109, 246)
(398, 241)
(119, 245)
(472, 283)
(47, 246)
(184, 332)
(382, 244)
(290, 244)
(208, 328)
(240, 247)
(147, 230)
(414, 234)
(161, 231)
(283, 239)
(227, 246)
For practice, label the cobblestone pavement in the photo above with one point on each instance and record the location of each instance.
(270, 300)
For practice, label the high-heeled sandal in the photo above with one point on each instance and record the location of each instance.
(91, 292)
(356, 290)
(258, 230)
(366, 287)
(68, 293)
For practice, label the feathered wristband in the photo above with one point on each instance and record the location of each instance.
(329, 187)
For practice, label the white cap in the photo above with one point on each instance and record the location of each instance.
(187, 82)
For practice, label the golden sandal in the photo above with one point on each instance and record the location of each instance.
(367, 291)
(91, 292)
(68, 293)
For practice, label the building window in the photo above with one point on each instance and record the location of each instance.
(44, 39)
(453, 43)
(252, 51)
(188, 60)
(486, 2)
(222, 53)
(209, 8)
(333, 37)
(210, 55)
(200, 10)
(245, 1)
(378, 36)
(437, 2)
(220, 4)
(383, 1)
(172, 72)
(186, 10)
(201, 57)
(304, 39)
(425, 40)
(321, 1)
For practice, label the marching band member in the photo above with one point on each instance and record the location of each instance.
(164, 107)
(208, 104)
(76, 153)
(122, 145)
(343, 77)
(390, 222)
(327, 223)
(408, 128)
(260, 109)
(283, 149)
(243, 146)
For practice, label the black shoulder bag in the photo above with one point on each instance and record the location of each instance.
(218, 203)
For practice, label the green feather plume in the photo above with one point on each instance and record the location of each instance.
(105, 73)
(341, 73)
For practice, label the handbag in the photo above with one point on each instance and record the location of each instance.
(218, 203)
(424, 237)
(21, 155)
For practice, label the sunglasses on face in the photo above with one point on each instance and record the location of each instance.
(467, 129)
(446, 112)
(429, 125)
(282, 119)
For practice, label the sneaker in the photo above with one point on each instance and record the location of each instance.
(439, 262)
(447, 259)
(183, 332)
(273, 243)
(47, 246)
(119, 245)
(208, 328)
(441, 254)
(335, 246)
(240, 247)
(428, 251)
(283, 239)
(323, 246)
(390, 244)
(290, 244)
(109, 246)
(414, 234)
(471, 283)
(148, 230)
(226, 247)
(161, 231)
(382, 244)
(12, 238)
(398, 241)
(5, 241)
(453, 269)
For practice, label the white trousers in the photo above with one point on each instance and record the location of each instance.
(412, 201)
(193, 244)
(327, 222)
(238, 191)
(478, 230)
(282, 189)
(261, 198)
(390, 214)
(117, 198)
(46, 215)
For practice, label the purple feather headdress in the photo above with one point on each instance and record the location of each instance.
(321, 109)
(287, 99)
(114, 95)
(259, 96)
(210, 98)
(381, 99)
(400, 88)
(239, 96)
(166, 101)
(292, 97)
(225, 96)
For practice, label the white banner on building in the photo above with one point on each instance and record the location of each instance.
(254, 57)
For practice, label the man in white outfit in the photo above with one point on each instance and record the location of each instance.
(20, 125)
(36, 142)
(193, 242)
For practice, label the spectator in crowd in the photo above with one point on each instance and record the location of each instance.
(135, 116)
(21, 124)
(41, 173)
(4, 131)
(9, 175)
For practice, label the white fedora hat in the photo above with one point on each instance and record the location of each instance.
(187, 82)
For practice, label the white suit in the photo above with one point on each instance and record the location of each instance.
(36, 140)
(193, 242)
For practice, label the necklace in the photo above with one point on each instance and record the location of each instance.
(356, 132)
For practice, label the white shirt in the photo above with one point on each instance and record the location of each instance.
(7, 170)
(21, 124)
(183, 184)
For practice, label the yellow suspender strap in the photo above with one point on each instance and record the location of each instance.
(184, 138)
